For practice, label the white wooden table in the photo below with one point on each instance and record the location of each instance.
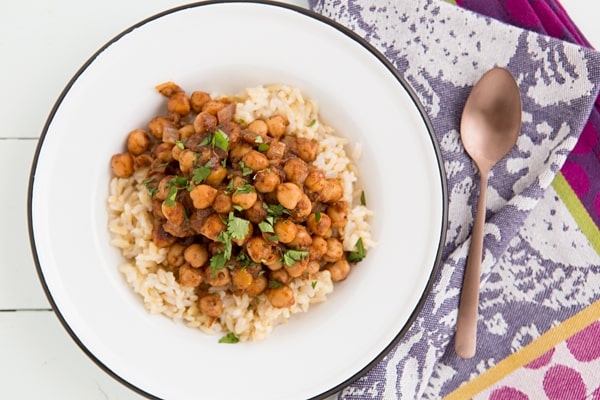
(42, 45)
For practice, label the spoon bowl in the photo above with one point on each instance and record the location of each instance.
(489, 127)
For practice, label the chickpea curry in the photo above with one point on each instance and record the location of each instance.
(237, 204)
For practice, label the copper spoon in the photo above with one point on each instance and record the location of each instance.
(489, 128)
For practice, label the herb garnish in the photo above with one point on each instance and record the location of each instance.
(200, 174)
(151, 190)
(363, 201)
(237, 229)
(275, 284)
(230, 338)
(220, 140)
(359, 254)
(291, 256)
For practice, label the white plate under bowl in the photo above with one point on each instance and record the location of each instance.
(225, 47)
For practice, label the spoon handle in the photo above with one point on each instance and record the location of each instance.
(465, 339)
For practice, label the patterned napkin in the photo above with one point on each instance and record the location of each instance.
(442, 50)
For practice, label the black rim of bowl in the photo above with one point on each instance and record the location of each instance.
(308, 13)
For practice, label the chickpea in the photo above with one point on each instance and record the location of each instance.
(258, 249)
(189, 276)
(243, 199)
(138, 142)
(286, 230)
(220, 277)
(339, 270)
(162, 238)
(302, 240)
(281, 297)
(236, 153)
(122, 165)
(318, 248)
(167, 89)
(315, 180)
(142, 161)
(273, 262)
(255, 160)
(163, 152)
(179, 103)
(303, 208)
(212, 227)
(281, 275)
(332, 191)
(222, 203)
(187, 159)
(266, 181)
(277, 125)
(296, 171)
(203, 196)
(216, 176)
(256, 213)
(288, 194)
(307, 149)
(211, 305)
(176, 152)
(198, 99)
(259, 127)
(259, 284)
(335, 250)
(312, 268)
(241, 279)
(204, 121)
(186, 131)
(196, 255)
(175, 256)
(174, 213)
(213, 106)
(162, 190)
(297, 269)
(338, 213)
(157, 126)
(318, 223)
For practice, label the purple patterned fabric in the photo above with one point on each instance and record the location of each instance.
(527, 283)
(582, 169)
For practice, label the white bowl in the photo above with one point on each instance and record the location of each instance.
(225, 47)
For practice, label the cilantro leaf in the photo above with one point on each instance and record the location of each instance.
(220, 140)
(363, 201)
(237, 227)
(230, 338)
(265, 227)
(359, 254)
(291, 256)
(200, 174)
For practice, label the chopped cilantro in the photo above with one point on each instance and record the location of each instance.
(179, 144)
(220, 140)
(265, 227)
(291, 256)
(237, 227)
(259, 139)
(245, 170)
(359, 254)
(217, 262)
(200, 174)
(317, 216)
(312, 122)
(363, 201)
(313, 284)
(275, 284)
(207, 140)
(263, 147)
(151, 189)
(230, 338)
(244, 189)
